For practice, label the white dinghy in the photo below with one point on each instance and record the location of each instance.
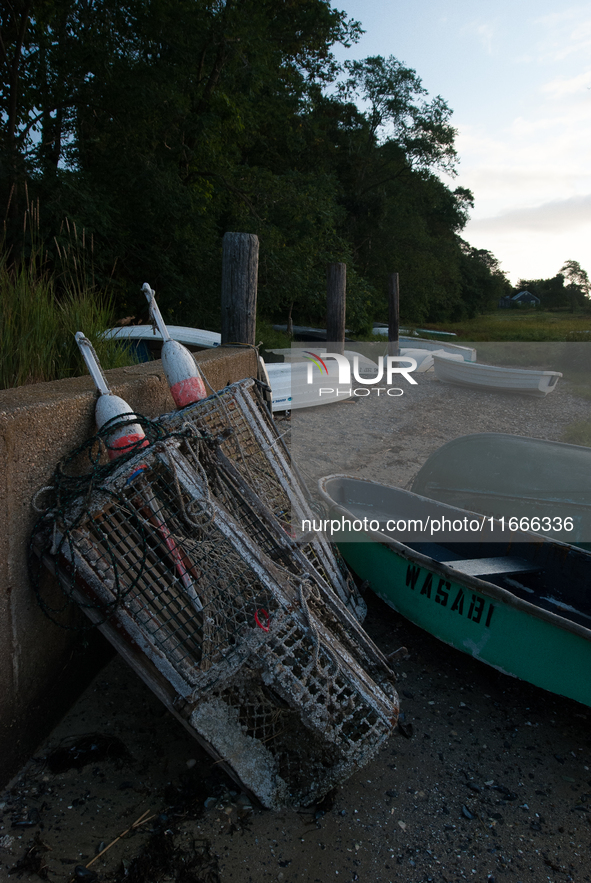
(526, 381)
(181, 333)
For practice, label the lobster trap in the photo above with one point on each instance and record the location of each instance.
(237, 419)
(238, 645)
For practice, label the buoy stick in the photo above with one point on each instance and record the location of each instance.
(146, 503)
(155, 313)
(94, 369)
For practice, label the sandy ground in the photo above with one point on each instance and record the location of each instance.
(486, 779)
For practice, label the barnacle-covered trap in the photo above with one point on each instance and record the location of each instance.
(243, 649)
(238, 420)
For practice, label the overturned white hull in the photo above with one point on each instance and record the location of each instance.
(290, 388)
(515, 380)
(297, 354)
(468, 353)
(181, 333)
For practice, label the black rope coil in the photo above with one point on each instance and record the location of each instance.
(80, 473)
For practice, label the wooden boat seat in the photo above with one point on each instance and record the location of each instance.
(490, 566)
(475, 566)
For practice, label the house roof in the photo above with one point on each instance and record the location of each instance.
(525, 295)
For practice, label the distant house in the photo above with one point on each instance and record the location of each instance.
(525, 297)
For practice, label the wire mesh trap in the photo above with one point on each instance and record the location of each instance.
(229, 488)
(235, 643)
(237, 418)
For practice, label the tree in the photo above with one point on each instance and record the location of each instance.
(158, 126)
(578, 282)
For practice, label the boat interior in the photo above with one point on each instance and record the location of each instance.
(551, 575)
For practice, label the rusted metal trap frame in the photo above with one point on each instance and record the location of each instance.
(238, 418)
(338, 707)
(237, 497)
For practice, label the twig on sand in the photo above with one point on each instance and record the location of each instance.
(141, 821)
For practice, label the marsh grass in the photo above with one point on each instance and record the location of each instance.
(41, 310)
(522, 325)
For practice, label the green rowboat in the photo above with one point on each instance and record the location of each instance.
(515, 600)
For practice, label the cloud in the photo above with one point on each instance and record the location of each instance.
(574, 86)
(485, 33)
(567, 33)
(558, 216)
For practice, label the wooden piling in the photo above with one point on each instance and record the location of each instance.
(393, 315)
(335, 305)
(240, 265)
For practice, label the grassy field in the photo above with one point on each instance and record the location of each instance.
(523, 325)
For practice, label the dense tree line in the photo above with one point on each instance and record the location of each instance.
(157, 125)
(569, 289)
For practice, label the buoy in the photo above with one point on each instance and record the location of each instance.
(183, 376)
(121, 441)
(108, 407)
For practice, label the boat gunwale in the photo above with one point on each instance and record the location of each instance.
(482, 586)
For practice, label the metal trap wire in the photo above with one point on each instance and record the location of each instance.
(193, 603)
(238, 419)
(228, 487)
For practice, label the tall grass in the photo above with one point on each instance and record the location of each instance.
(40, 312)
(526, 325)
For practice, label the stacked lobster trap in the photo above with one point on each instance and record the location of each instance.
(238, 421)
(184, 557)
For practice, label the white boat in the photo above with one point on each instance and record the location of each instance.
(184, 335)
(382, 328)
(298, 354)
(468, 353)
(424, 358)
(515, 380)
(290, 388)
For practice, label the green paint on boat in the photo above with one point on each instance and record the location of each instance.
(549, 646)
(515, 642)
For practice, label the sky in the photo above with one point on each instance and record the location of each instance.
(517, 76)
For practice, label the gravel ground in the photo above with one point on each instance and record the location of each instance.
(486, 778)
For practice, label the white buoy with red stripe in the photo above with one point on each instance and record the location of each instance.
(127, 438)
(109, 406)
(183, 376)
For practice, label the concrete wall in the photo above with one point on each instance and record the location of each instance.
(42, 667)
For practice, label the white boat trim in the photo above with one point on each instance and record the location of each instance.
(181, 333)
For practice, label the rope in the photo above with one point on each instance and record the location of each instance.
(59, 525)
(206, 510)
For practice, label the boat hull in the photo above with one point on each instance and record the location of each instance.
(513, 642)
(514, 476)
(187, 336)
(472, 614)
(290, 389)
(496, 378)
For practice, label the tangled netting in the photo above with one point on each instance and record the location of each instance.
(77, 476)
